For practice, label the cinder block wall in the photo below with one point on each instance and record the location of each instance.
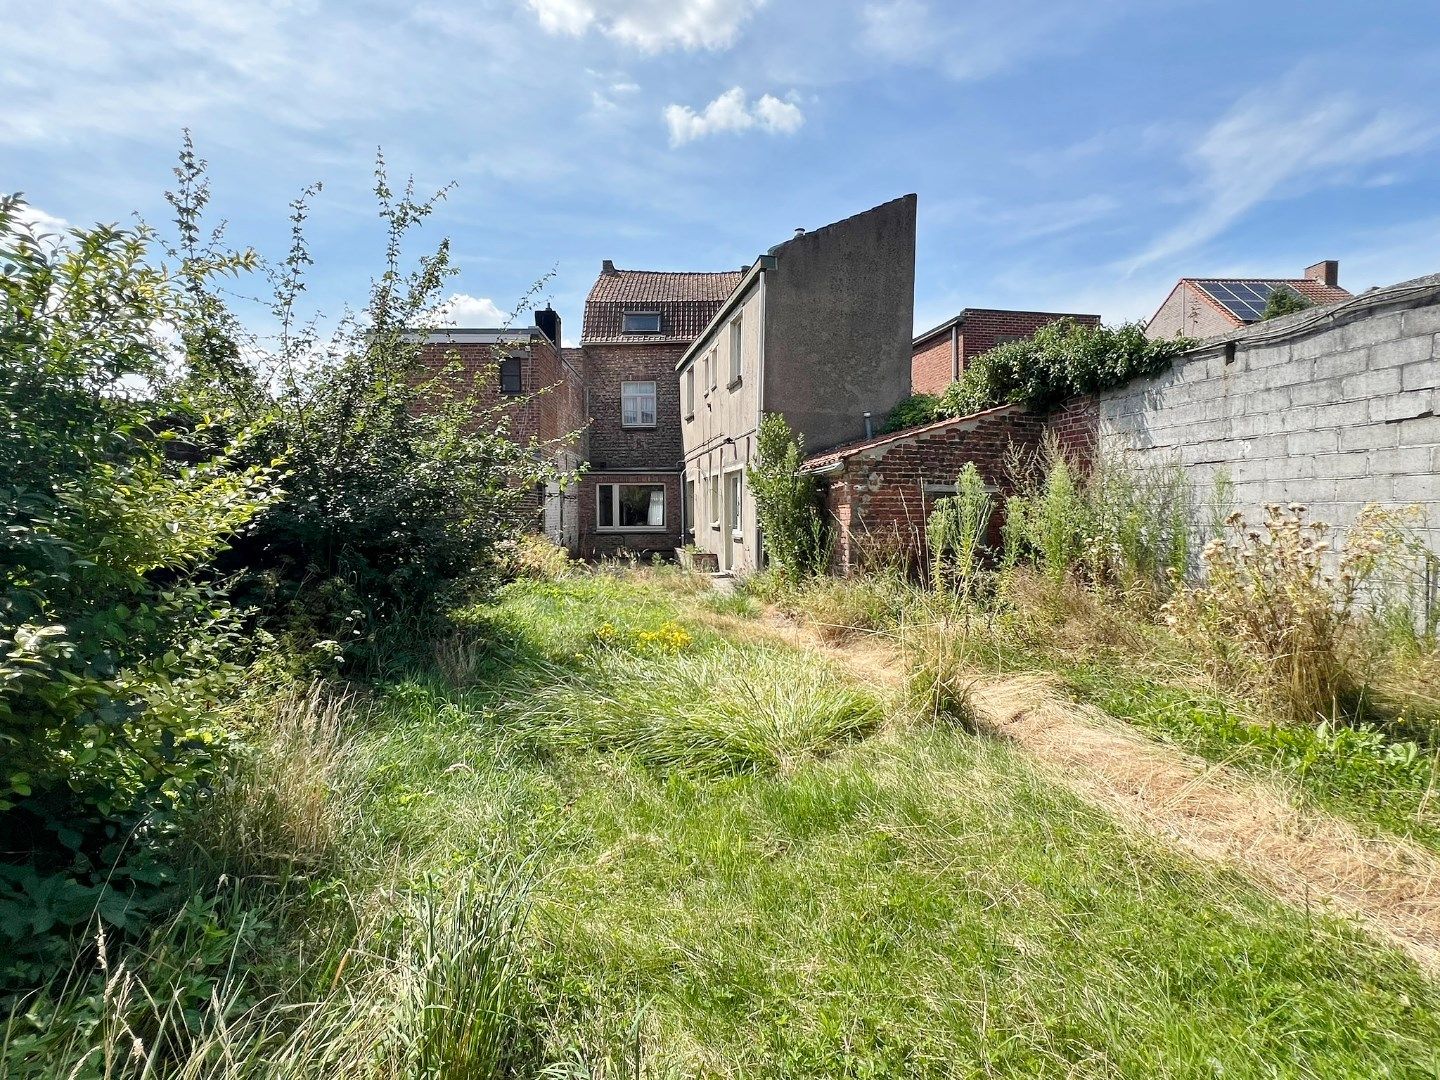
(1332, 407)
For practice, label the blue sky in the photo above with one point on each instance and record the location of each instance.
(1067, 156)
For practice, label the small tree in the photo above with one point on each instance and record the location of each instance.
(787, 502)
(1283, 300)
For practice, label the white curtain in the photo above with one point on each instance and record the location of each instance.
(656, 513)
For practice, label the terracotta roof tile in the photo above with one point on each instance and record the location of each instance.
(686, 303)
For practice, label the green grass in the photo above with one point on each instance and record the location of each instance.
(735, 865)
(1357, 772)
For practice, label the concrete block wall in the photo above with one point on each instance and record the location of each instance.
(1332, 407)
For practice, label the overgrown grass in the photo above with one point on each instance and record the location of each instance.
(1358, 772)
(732, 865)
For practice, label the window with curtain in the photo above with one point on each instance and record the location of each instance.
(630, 506)
(637, 404)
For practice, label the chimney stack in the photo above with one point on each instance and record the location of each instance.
(800, 231)
(1326, 272)
(607, 269)
(548, 321)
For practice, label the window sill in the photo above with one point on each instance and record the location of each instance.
(637, 427)
(715, 526)
(738, 537)
(631, 529)
(734, 383)
(690, 416)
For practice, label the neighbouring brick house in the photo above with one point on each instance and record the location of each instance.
(1205, 307)
(525, 376)
(939, 356)
(638, 323)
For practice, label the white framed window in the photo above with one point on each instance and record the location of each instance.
(706, 385)
(637, 404)
(733, 492)
(712, 365)
(714, 501)
(640, 322)
(690, 391)
(630, 507)
(737, 327)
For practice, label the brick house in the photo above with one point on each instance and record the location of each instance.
(1205, 307)
(638, 324)
(524, 379)
(818, 330)
(939, 356)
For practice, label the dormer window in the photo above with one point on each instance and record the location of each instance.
(640, 322)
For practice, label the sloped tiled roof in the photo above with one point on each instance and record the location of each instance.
(849, 450)
(1244, 298)
(686, 303)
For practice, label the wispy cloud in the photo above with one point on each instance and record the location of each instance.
(732, 112)
(650, 25)
(975, 41)
(1281, 141)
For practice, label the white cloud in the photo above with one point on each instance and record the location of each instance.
(1280, 141)
(974, 41)
(732, 112)
(40, 223)
(650, 25)
(461, 309)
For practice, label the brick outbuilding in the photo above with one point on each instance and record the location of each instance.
(879, 492)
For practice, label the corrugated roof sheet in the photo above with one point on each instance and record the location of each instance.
(686, 303)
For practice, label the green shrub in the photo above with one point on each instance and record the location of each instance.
(115, 644)
(1283, 300)
(786, 502)
(404, 485)
(1060, 360)
(912, 412)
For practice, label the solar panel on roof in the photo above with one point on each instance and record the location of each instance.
(1244, 299)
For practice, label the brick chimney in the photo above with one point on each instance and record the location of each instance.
(607, 269)
(1327, 272)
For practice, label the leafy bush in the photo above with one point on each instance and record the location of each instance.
(787, 502)
(912, 412)
(1060, 360)
(115, 641)
(404, 484)
(1283, 300)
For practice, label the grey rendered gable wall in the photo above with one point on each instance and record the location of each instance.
(839, 316)
(1331, 407)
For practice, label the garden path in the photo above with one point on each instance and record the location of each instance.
(1303, 855)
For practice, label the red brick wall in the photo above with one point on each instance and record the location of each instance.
(594, 544)
(983, 330)
(931, 365)
(613, 446)
(879, 498)
(1076, 423)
